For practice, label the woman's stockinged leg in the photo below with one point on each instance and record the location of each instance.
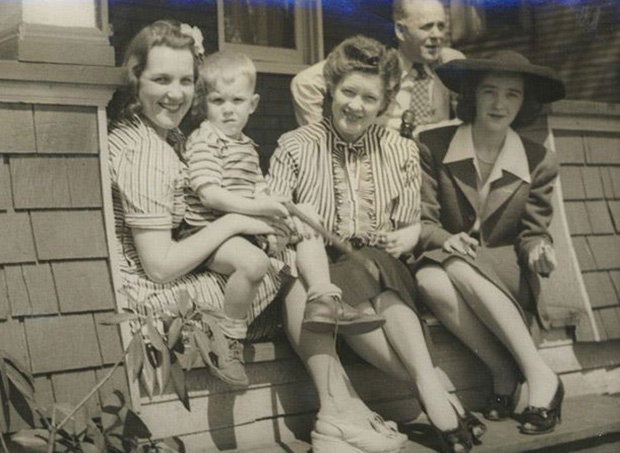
(440, 295)
(401, 345)
(336, 394)
(500, 314)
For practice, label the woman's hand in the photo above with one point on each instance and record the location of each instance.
(461, 243)
(398, 242)
(542, 259)
(303, 229)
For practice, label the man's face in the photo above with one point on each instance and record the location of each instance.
(421, 32)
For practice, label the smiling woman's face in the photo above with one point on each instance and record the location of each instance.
(166, 86)
(499, 98)
(356, 102)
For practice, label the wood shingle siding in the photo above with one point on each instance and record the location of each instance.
(588, 145)
(71, 388)
(31, 290)
(69, 234)
(63, 343)
(83, 286)
(13, 341)
(6, 199)
(5, 309)
(17, 244)
(66, 129)
(16, 128)
(55, 280)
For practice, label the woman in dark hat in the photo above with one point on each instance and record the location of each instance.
(486, 208)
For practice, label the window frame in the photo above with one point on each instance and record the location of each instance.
(470, 15)
(308, 39)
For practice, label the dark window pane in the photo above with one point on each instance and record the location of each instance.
(269, 23)
(502, 14)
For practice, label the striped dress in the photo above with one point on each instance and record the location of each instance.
(148, 184)
(312, 165)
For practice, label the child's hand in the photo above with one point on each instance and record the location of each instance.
(271, 208)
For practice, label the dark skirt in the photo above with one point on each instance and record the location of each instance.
(499, 265)
(373, 272)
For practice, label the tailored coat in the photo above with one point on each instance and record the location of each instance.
(514, 219)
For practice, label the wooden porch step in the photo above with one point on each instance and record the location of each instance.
(585, 418)
(280, 405)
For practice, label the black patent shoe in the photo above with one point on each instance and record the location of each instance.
(542, 420)
(499, 407)
(476, 428)
(457, 440)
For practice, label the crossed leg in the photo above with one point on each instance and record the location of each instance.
(501, 316)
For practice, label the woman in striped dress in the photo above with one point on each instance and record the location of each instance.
(363, 180)
(149, 178)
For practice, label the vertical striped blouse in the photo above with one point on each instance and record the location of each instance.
(358, 189)
(148, 183)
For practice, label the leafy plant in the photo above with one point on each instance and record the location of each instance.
(16, 389)
(154, 355)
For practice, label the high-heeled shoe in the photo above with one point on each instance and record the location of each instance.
(333, 435)
(457, 440)
(542, 420)
(476, 427)
(499, 407)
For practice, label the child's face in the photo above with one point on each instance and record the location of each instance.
(230, 104)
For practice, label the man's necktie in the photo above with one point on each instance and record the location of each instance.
(420, 96)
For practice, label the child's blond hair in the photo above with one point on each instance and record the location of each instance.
(225, 66)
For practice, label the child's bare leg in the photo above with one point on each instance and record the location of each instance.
(246, 265)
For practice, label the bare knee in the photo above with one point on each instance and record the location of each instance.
(253, 266)
(436, 289)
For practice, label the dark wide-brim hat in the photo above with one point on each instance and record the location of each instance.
(543, 81)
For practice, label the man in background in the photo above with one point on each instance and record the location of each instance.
(420, 28)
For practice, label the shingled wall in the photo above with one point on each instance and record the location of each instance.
(55, 281)
(587, 138)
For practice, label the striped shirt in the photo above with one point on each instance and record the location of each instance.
(303, 167)
(148, 183)
(215, 159)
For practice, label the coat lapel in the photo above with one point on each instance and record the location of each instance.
(501, 191)
(464, 174)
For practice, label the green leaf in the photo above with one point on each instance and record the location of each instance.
(135, 428)
(21, 382)
(118, 318)
(174, 334)
(175, 444)
(135, 356)
(179, 382)
(191, 355)
(21, 368)
(87, 447)
(153, 335)
(148, 373)
(97, 436)
(22, 405)
(31, 438)
(164, 370)
(204, 346)
(184, 303)
(5, 411)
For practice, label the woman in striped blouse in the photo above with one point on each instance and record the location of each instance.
(148, 181)
(363, 180)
